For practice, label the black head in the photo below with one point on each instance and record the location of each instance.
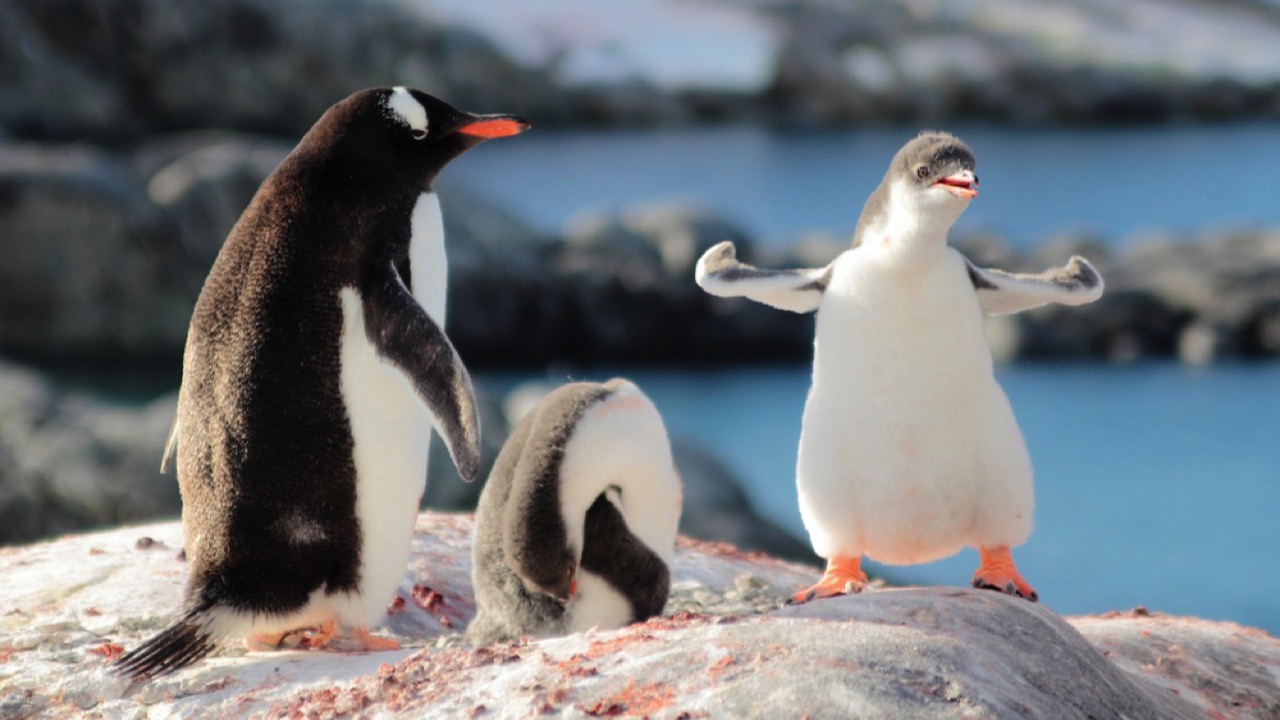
(937, 159)
(557, 578)
(401, 132)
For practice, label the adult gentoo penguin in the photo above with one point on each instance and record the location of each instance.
(316, 365)
(576, 525)
(908, 449)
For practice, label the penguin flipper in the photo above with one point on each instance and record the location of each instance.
(720, 273)
(169, 446)
(403, 333)
(1000, 292)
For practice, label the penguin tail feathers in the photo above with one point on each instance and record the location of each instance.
(181, 644)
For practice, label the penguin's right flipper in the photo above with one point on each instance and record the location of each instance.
(169, 446)
(1000, 292)
(720, 273)
(403, 333)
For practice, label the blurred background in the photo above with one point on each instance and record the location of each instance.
(1142, 134)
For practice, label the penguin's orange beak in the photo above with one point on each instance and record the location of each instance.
(963, 184)
(493, 126)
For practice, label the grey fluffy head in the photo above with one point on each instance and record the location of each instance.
(922, 162)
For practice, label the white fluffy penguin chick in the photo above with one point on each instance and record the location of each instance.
(576, 525)
(909, 449)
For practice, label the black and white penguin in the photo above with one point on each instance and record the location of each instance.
(576, 525)
(316, 365)
(908, 448)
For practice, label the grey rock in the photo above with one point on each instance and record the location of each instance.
(725, 652)
(91, 265)
(77, 68)
(69, 461)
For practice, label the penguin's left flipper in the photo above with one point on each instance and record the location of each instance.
(403, 333)
(720, 273)
(1001, 293)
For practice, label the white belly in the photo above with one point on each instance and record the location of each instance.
(597, 605)
(909, 449)
(391, 429)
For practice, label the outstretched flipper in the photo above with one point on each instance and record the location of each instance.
(720, 273)
(406, 335)
(1001, 293)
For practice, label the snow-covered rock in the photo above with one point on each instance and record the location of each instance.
(725, 648)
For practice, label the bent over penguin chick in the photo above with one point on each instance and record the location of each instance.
(316, 365)
(908, 448)
(576, 525)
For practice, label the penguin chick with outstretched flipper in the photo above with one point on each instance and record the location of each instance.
(315, 368)
(576, 525)
(908, 447)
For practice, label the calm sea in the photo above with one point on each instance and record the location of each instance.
(1118, 182)
(1157, 485)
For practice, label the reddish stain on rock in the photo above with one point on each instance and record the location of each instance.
(107, 650)
(4, 654)
(92, 611)
(633, 699)
(97, 551)
(681, 619)
(426, 598)
(721, 549)
(396, 605)
(717, 668)
(601, 648)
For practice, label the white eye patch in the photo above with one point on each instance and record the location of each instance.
(404, 108)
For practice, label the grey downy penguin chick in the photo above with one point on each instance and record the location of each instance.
(908, 448)
(576, 525)
(315, 368)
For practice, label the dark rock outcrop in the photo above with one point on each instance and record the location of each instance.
(106, 253)
(68, 461)
(79, 69)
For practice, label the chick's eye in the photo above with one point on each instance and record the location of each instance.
(418, 134)
(922, 172)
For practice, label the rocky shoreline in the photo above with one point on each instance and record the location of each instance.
(76, 70)
(106, 251)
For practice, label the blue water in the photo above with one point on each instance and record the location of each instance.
(1117, 182)
(1156, 484)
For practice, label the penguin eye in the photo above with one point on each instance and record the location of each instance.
(418, 133)
(922, 172)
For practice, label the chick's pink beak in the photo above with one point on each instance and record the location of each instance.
(963, 184)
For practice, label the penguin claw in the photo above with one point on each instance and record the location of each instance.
(997, 572)
(843, 576)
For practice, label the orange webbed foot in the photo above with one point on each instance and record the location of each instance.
(843, 576)
(321, 636)
(996, 572)
(264, 641)
(373, 643)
